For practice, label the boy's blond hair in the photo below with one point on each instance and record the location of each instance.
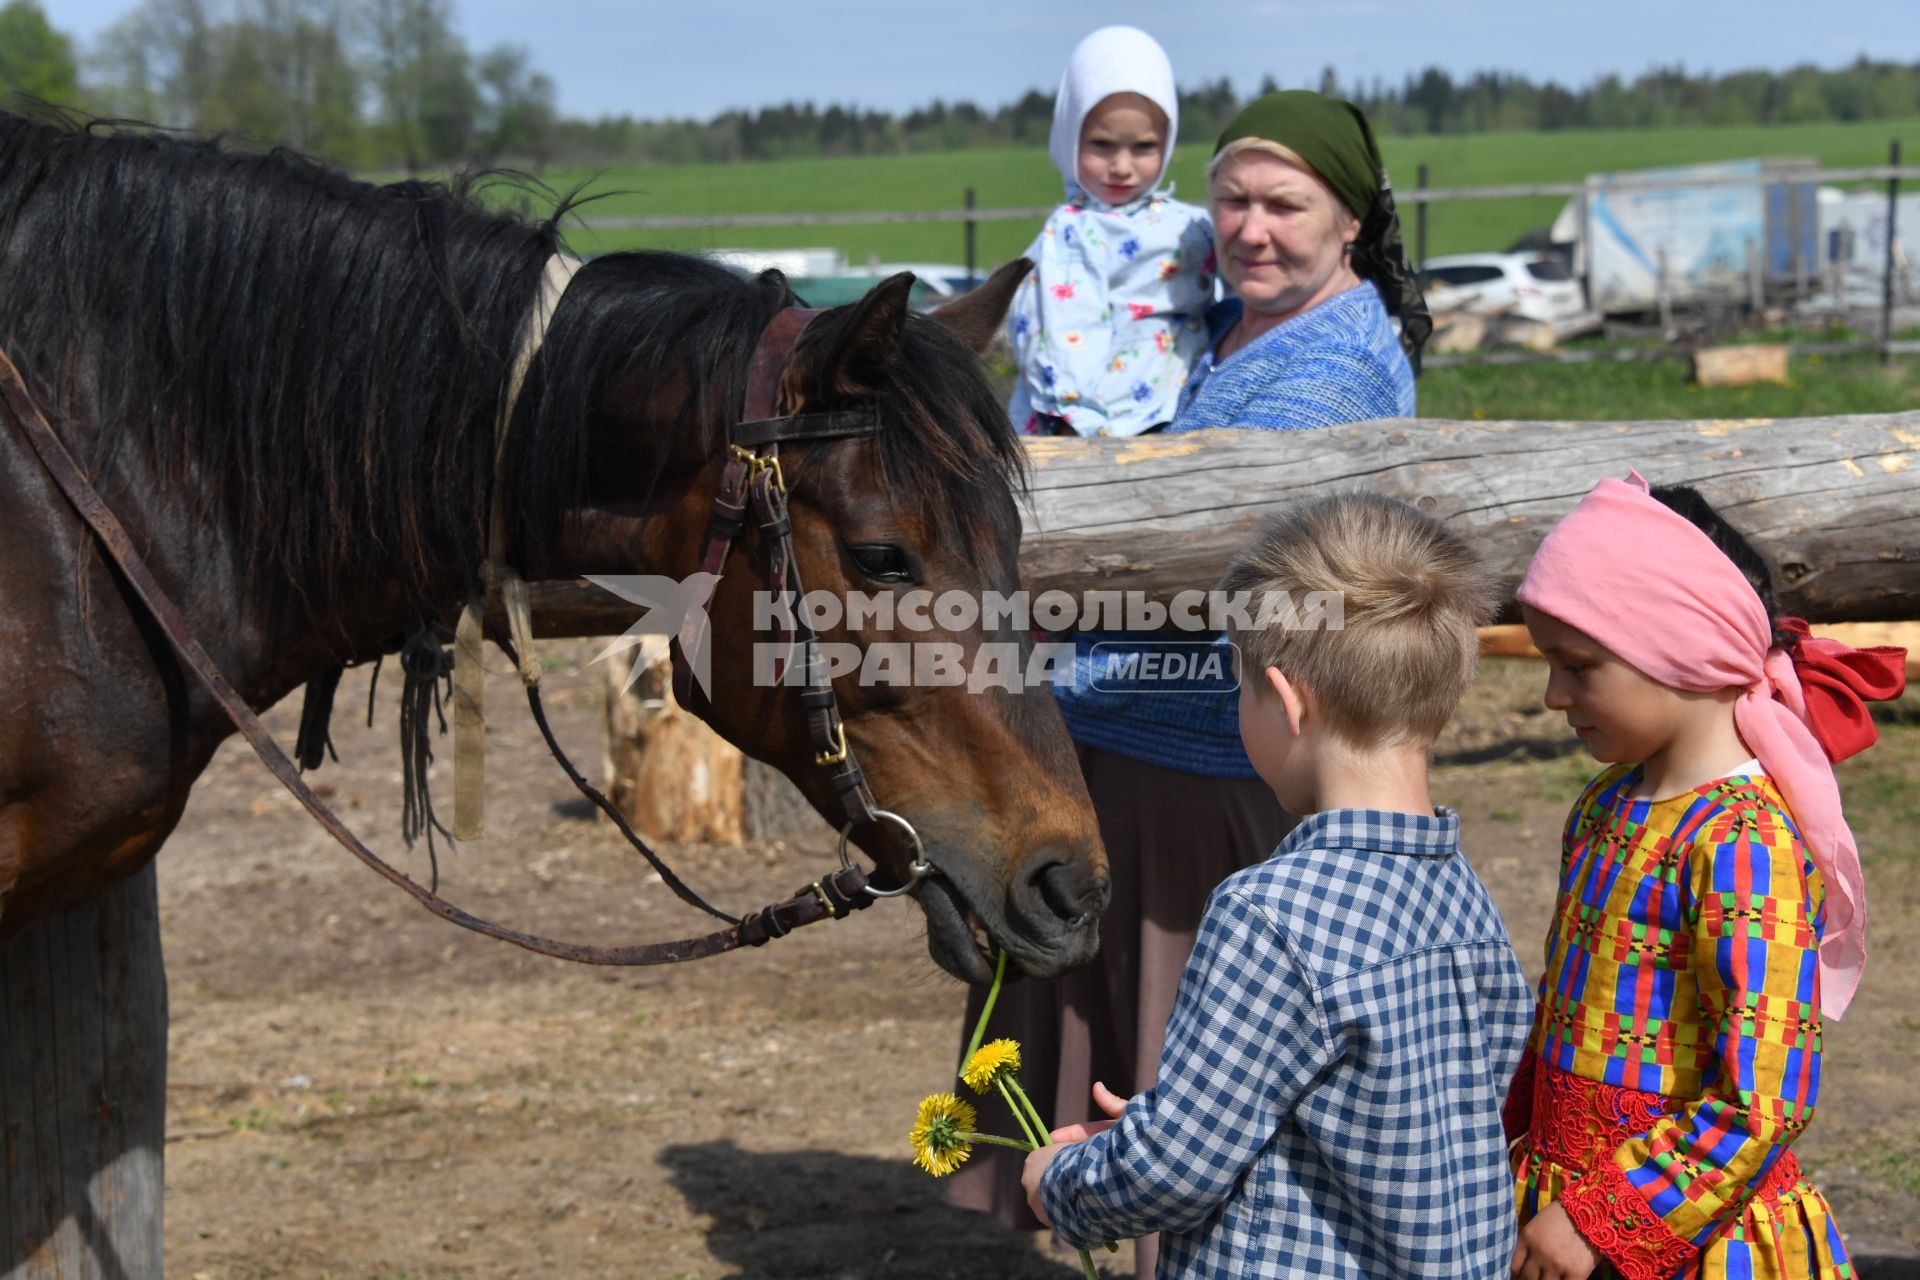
(1412, 595)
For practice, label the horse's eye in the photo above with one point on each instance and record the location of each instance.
(883, 562)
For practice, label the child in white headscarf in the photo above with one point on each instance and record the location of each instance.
(1108, 324)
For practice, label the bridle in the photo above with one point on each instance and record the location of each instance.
(750, 478)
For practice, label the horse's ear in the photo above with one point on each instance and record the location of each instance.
(976, 317)
(864, 342)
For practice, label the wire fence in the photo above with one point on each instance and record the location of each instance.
(1811, 264)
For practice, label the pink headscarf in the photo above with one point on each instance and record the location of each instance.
(1643, 581)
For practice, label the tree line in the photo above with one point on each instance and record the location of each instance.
(365, 83)
(390, 84)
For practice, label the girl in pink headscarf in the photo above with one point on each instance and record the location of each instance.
(1710, 912)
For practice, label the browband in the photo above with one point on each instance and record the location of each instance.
(831, 424)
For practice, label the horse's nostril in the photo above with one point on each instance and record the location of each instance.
(1073, 894)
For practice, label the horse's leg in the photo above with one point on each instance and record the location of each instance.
(83, 1070)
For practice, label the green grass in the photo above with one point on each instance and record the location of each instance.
(1818, 386)
(1025, 178)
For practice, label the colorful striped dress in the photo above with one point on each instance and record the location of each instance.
(1675, 1051)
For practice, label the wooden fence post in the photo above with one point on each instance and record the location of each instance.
(1893, 244)
(1420, 224)
(83, 1091)
(972, 277)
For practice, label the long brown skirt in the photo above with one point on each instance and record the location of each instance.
(1170, 837)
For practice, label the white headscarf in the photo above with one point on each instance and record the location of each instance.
(1111, 60)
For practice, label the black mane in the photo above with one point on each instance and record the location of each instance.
(324, 359)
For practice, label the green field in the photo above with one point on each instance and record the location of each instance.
(1024, 178)
(1818, 386)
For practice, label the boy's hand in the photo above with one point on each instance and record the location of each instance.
(1037, 1162)
(1108, 1101)
(1551, 1249)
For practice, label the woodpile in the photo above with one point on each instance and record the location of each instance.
(1461, 325)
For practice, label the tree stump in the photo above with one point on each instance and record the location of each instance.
(676, 780)
(83, 1091)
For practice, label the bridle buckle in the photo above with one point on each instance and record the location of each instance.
(839, 753)
(758, 462)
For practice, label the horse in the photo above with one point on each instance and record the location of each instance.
(287, 383)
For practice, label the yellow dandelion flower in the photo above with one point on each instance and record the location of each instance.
(939, 1146)
(990, 1063)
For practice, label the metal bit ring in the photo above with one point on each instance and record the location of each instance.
(918, 868)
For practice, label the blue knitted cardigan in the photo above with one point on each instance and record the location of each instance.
(1338, 363)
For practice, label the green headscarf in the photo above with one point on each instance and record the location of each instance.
(1333, 137)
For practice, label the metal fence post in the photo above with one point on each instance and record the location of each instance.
(1420, 223)
(970, 237)
(1893, 232)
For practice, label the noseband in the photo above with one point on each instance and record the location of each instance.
(752, 480)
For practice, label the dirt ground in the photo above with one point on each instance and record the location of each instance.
(358, 1089)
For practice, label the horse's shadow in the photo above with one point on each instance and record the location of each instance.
(780, 1214)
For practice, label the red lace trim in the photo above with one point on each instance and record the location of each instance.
(1578, 1124)
(1614, 1218)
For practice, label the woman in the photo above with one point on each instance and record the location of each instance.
(1306, 237)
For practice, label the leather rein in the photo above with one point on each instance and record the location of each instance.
(751, 479)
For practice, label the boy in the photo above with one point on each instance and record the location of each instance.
(1328, 1102)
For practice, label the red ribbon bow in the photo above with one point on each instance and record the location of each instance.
(1838, 682)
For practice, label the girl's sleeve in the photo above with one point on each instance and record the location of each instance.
(1059, 327)
(1664, 1195)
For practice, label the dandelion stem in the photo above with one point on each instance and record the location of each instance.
(986, 1010)
(996, 1140)
(1086, 1266)
(1032, 1111)
(1036, 1140)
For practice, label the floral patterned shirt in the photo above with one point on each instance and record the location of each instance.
(1113, 315)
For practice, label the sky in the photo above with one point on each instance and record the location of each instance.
(660, 58)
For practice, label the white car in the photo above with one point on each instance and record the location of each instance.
(1536, 286)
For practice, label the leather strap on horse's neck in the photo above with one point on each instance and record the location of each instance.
(830, 897)
(752, 478)
(497, 578)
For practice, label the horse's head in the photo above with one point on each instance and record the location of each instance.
(900, 536)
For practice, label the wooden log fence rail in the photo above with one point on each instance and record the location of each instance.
(1833, 503)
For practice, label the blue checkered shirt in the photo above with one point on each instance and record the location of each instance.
(1329, 1096)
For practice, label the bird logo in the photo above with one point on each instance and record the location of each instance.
(675, 608)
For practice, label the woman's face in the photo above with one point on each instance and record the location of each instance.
(1280, 233)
